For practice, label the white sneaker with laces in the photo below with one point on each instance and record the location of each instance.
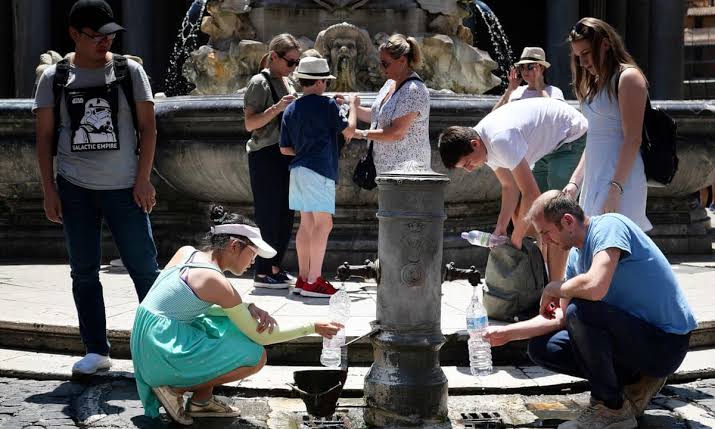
(91, 363)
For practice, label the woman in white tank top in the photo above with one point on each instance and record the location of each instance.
(610, 176)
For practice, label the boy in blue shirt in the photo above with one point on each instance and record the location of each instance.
(309, 132)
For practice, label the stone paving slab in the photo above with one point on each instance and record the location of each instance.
(41, 295)
(114, 404)
(273, 380)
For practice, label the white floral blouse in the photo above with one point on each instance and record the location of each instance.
(415, 146)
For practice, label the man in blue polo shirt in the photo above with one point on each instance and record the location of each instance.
(620, 320)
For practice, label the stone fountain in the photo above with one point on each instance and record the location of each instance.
(201, 158)
(351, 32)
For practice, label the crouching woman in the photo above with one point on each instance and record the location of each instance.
(193, 331)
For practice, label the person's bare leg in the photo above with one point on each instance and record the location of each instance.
(204, 391)
(318, 242)
(303, 242)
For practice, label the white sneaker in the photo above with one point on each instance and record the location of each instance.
(91, 363)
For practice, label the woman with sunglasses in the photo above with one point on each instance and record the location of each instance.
(531, 67)
(267, 95)
(610, 176)
(193, 331)
(399, 116)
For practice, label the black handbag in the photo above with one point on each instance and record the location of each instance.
(365, 173)
(658, 144)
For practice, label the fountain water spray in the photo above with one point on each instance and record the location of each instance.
(186, 42)
(502, 48)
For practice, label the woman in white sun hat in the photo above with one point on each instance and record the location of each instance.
(531, 68)
(193, 331)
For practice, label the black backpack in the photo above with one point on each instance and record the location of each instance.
(659, 141)
(122, 76)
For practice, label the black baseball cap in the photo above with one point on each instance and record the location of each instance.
(94, 14)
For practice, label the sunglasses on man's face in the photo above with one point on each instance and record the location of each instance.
(289, 62)
(98, 38)
(529, 66)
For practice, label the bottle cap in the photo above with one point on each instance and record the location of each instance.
(465, 235)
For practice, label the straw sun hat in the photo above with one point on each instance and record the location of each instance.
(533, 55)
(313, 68)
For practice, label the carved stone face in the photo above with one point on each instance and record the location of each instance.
(343, 52)
(344, 58)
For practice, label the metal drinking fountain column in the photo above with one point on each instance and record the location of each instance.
(405, 385)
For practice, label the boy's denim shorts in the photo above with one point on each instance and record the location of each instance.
(310, 191)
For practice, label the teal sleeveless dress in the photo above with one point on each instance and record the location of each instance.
(175, 343)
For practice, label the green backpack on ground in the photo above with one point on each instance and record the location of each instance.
(515, 279)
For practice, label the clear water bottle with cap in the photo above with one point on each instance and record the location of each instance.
(485, 239)
(480, 351)
(339, 312)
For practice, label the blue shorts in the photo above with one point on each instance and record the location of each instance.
(310, 191)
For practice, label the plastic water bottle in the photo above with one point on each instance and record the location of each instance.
(484, 239)
(339, 312)
(480, 351)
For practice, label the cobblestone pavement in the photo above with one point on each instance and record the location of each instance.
(35, 404)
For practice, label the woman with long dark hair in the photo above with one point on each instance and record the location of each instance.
(612, 91)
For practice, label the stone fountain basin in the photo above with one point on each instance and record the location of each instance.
(201, 158)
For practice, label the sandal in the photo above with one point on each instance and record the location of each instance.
(214, 407)
(173, 404)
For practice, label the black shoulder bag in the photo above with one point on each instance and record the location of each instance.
(364, 174)
(658, 144)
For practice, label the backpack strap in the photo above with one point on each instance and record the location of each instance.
(274, 94)
(62, 74)
(123, 76)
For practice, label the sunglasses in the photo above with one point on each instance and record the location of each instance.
(100, 37)
(579, 31)
(289, 62)
(529, 66)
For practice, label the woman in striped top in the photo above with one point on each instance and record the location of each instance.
(193, 331)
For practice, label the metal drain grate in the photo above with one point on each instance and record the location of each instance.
(491, 420)
(330, 422)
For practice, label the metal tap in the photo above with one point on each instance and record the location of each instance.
(471, 274)
(369, 270)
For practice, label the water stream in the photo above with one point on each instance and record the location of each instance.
(502, 48)
(186, 42)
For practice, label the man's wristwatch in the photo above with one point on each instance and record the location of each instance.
(362, 133)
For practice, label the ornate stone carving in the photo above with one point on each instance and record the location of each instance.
(216, 71)
(226, 64)
(352, 57)
(227, 20)
(449, 63)
(333, 5)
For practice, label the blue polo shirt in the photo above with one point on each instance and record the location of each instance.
(643, 284)
(311, 125)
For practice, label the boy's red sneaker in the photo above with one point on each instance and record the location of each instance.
(299, 285)
(320, 289)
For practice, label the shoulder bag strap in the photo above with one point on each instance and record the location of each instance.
(274, 94)
(62, 74)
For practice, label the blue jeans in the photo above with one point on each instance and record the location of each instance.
(82, 213)
(608, 347)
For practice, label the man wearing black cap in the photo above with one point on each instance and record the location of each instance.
(95, 112)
